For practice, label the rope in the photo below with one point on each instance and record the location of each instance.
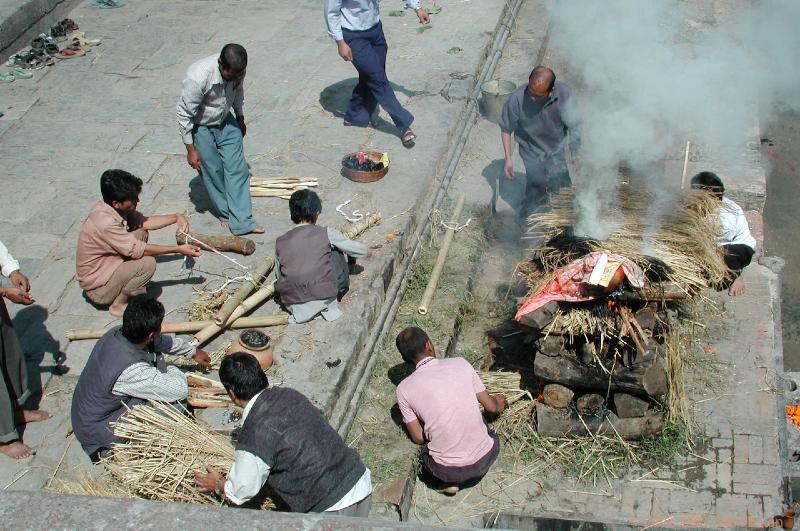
(226, 257)
(455, 226)
(356, 215)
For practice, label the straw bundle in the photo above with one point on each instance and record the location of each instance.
(682, 239)
(282, 187)
(356, 229)
(206, 304)
(506, 383)
(161, 449)
(86, 485)
(588, 322)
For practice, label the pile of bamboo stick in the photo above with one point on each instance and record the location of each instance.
(282, 187)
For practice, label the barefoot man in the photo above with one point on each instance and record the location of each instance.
(738, 244)
(114, 260)
(14, 381)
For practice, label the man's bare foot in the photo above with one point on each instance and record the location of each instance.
(117, 309)
(16, 450)
(35, 415)
(737, 288)
(256, 230)
(224, 223)
(450, 490)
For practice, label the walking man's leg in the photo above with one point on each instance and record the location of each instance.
(237, 178)
(211, 169)
(362, 103)
(369, 57)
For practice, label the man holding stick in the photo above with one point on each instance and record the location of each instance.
(287, 443)
(14, 379)
(126, 368)
(440, 403)
(114, 260)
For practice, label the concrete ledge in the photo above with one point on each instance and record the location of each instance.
(21, 20)
(43, 510)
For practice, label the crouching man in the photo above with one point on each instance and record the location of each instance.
(286, 442)
(126, 368)
(440, 403)
(312, 270)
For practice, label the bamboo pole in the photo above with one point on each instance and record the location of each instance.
(439, 266)
(359, 227)
(248, 304)
(190, 326)
(685, 166)
(244, 291)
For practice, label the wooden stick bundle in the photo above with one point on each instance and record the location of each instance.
(247, 287)
(439, 266)
(258, 321)
(282, 187)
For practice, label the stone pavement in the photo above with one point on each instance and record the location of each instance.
(114, 108)
(735, 479)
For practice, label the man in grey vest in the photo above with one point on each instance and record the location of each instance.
(312, 270)
(126, 368)
(286, 442)
(539, 116)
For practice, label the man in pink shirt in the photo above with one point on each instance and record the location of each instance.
(114, 260)
(440, 403)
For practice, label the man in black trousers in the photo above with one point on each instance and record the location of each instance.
(356, 27)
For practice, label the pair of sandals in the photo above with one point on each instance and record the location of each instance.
(30, 59)
(63, 28)
(15, 74)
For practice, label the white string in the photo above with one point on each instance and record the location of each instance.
(455, 226)
(356, 215)
(226, 257)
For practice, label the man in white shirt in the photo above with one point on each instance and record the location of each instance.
(214, 139)
(13, 378)
(734, 236)
(356, 27)
(286, 442)
(126, 368)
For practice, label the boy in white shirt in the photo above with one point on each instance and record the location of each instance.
(734, 233)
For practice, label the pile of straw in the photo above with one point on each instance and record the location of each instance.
(588, 322)
(86, 485)
(282, 187)
(682, 239)
(161, 449)
(505, 383)
(206, 304)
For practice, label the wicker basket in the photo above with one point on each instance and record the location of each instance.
(364, 176)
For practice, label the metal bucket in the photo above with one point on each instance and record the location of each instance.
(494, 94)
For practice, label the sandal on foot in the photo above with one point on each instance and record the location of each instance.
(408, 138)
(20, 73)
(7, 78)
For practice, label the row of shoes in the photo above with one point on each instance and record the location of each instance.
(47, 47)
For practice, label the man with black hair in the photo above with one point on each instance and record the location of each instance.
(126, 368)
(214, 139)
(286, 442)
(312, 271)
(356, 27)
(114, 260)
(539, 115)
(440, 403)
(738, 244)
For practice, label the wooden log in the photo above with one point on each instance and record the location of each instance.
(206, 402)
(235, 244)
(263, 293)
(629, 406)
(572, 373)
(557, 396)
(196, 380)
(553, 422)
(190, 326)
(655, 291)
(646, 317)
(589, 404)
(433, 281)
(541, 317)
(552, 345)
(247, 287)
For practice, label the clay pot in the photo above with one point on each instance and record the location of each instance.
(256, 343)
(787, 520)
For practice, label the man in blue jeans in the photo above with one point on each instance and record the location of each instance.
(213, 137)
(356, 27)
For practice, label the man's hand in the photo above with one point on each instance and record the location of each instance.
(424, 17)
(207, 482)
(192, 156)
(508, 169)
(17, 295)
(202, 358)
(181, 224)
(501, 402)
(344, 51)
(188, 249)
(242, 125)
(20, 281)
